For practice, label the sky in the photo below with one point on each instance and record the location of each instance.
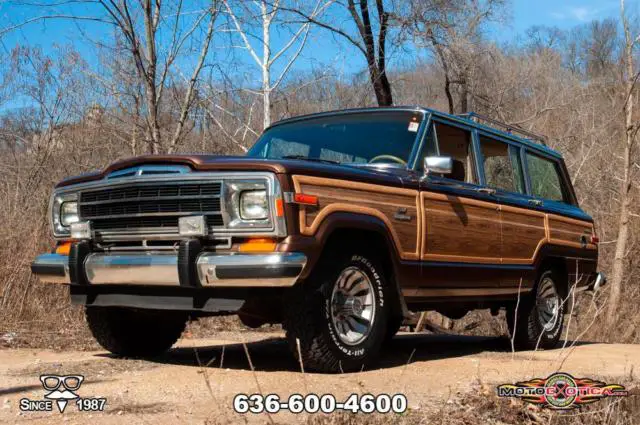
(322, 48)
(564, 14)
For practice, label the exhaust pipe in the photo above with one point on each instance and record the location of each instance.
(600, 281)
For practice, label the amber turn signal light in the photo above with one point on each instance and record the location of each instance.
(279, 208)
(63, 248)
(301, 198)
(258, 245)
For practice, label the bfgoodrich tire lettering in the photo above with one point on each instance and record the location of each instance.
(539, 320)
(135, 333)
(309, 318)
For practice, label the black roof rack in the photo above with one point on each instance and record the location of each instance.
(509, 128)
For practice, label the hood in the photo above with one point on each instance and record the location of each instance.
(392, 176)
(195, 162)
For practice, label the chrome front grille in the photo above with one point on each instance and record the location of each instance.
(148, 207)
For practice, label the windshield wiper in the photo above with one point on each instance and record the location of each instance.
(306, 158)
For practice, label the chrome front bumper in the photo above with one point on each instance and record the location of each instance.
(278, 269)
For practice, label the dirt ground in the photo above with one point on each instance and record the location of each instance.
(195, 382)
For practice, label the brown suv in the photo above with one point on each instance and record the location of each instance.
(336, 225)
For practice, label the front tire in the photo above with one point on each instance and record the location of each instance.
(339, 316)
(135, 332)
(539, 320)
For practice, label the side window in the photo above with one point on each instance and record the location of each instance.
(456, 143)
(545, 180)
(502, 168)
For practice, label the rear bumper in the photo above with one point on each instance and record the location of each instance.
(278, 269)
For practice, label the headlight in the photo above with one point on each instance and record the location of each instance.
(254, 205)
(249, 204)
(64, 212)
(69, 213)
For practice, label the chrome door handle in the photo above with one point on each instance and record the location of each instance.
(536, 202)
(486, 190)
(401, 215)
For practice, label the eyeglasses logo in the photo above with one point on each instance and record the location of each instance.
(62, 389)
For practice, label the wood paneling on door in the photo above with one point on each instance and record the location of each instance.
(524, 232)
(460, 229)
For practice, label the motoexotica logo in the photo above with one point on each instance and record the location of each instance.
(561, 391)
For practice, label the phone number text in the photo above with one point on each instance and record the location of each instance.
(326, 403)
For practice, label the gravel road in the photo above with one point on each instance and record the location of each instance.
(196, 381)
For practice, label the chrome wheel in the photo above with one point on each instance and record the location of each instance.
(548, 304)
(352, 306)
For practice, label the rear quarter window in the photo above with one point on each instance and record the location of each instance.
(546, 181)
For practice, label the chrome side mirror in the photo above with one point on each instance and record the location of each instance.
(438, 165)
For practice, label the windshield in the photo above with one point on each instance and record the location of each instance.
(361, 138)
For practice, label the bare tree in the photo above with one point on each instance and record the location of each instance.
(244, 21)
(369, 17)
(138, 26)
(143, 47)
(452, 30)
(631, 128)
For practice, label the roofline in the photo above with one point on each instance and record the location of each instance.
(348, 111)
(416, 108)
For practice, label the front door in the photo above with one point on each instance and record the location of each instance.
(461, 241)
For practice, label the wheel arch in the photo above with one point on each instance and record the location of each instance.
(340, 229)
(554, 258)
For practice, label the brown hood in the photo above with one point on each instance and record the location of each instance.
(196, 162)
(230, 163)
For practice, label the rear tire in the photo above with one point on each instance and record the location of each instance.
(539, 320)
(339, 315)
(135, 332)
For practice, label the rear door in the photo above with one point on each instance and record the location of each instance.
(521, 217)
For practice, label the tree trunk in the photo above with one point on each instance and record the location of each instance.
(383, 94)
(152, 109)
(266, 65)
(381, 86)
(464, 97)
(618, 270)
(150, 77)
(376, 67)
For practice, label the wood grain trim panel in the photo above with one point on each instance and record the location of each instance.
(439, 197)
(567, 232)
(466, 201)
(526, 261)
(341, 206)
(549, 231)
(342, 203)
(368, 187)
(531, 221)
